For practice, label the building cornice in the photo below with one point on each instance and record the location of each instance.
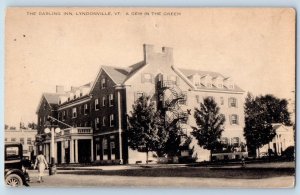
(74, 103)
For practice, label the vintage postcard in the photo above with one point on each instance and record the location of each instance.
(150, 97)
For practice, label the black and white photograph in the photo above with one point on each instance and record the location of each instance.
(150, 97)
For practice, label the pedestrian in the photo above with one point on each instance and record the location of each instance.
(42, 164)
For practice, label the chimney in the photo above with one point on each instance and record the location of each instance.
(162, 57)
(148, 50)
(60, 89)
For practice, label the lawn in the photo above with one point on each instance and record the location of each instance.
(201, 172)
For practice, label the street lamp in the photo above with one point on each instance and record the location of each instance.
(53, 131)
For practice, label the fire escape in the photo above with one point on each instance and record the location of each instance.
(171, 99)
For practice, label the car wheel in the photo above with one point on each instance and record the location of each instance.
(14, 180)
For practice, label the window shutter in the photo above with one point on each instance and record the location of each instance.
(230, 119)
(237, 119)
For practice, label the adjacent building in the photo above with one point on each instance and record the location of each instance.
(283, 139)
(98, 111)
(26, 137)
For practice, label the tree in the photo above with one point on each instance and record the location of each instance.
(260, 113)
(145, 127)
(209, 125)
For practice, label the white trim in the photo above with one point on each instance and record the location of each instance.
(139, 70)
(180, 74)
(110, 132)
(75, 103)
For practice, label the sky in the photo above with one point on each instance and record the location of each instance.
(256, 47)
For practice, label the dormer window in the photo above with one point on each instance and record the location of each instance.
(229, 83)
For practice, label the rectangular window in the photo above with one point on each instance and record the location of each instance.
(111, 120)
(103, 83)
(30, 148)
(111, 99)
(224, 141)
(5, 139)
(222, 100)
(97, 123)
(146, 77)
(104, 121)
(104, 143)
(183, 101)
(198, 98)
(13, 139)
(22, 140)
(232, 102)
(103, 101)
(29, 141)
(234, 120)
(235, 141)
(86, 109)
(74, 112)
(59, 116)
(138, 95)
(64, 115)
(97, 104)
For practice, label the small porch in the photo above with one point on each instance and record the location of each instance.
(71, 145)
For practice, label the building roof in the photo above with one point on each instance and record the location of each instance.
(52, 98)
(189, 72)
(120, 74)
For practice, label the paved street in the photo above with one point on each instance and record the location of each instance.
(279, 175)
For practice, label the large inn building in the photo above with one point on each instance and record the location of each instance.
(98, 110)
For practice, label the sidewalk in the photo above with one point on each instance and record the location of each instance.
(271, 165)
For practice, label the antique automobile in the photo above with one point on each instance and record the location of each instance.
(15, 172)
